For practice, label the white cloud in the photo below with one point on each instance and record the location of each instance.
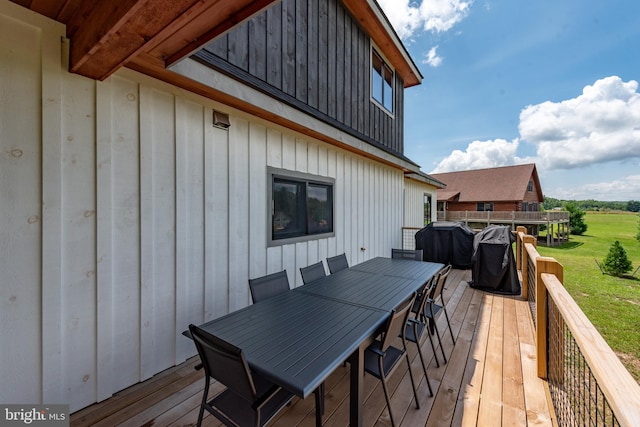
(618, 190)
(432, 59)
(602, 124)
(479, 155)
(407, 16)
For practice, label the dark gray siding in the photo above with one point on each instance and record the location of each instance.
(313, 55)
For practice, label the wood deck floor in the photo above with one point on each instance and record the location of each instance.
(489, 380)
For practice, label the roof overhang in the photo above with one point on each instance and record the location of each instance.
(424, 178)
(155, 34)
(106, 35)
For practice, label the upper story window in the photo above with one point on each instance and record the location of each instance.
(530, 186)
(381, 81)
(302, 207)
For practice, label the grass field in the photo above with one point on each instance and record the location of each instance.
(612, 304)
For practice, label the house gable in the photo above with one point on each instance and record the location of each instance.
(506, 187)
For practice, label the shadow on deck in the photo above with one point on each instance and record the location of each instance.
(489, 380)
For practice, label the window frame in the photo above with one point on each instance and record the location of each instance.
(384, 66)
(530, 186)
(274, 174)
(484, 207)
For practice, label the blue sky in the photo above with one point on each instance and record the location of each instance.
(551, 82)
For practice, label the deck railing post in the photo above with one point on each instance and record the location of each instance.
(544, 265)
(520, 231)
(525, 264)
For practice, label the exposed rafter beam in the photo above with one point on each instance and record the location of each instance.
(106, 35)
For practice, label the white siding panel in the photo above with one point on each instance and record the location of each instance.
(20, 204)
(77, 245)
(190, 230)
(239, 215)
(123, 231)
(217, 222)
(257, 210)
(157, 209)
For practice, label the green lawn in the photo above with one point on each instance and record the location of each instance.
(612, 304)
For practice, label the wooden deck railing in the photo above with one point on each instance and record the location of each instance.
(501, 217)
(587, 382)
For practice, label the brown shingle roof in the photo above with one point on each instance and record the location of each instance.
(494, 184)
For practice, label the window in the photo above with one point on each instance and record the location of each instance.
(485, 206)
(302, 207)
(530, 186)
(381, 82)
(524, 206)
(427, 209)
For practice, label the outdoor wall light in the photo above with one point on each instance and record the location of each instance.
(221, 120)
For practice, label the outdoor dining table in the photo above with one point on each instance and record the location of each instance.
(298, 338)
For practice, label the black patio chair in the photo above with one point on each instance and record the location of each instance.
(407, 254)
(312, 272)
(249, 399)
(431, 309)
(337, 263)
(381, 358)
(416, 329)
(267, 286)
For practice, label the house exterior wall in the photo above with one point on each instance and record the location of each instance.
(511, 206)
(414, 193)
(315, 56)
(126, 215)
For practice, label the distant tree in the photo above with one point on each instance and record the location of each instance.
(633, 206)
(576, 218)
(616, 263)
(550, 203)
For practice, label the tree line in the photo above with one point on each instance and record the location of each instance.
(592, 205)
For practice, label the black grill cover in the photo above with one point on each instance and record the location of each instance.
(446, 242)
(494, 267)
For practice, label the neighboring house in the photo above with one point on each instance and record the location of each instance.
(141, 187)
(504, 189)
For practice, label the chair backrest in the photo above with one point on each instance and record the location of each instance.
(267, 286)
(313, 272)
(440, 281)
(224, 362)
(397, 321)
(407, 254)
(424, 296)
(337, 263)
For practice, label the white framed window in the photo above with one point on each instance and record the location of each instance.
(381, 81)
(301, 207)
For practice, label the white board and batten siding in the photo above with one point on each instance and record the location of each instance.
(126, 215)
(414, 192)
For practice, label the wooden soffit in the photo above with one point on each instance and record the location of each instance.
(106, 35)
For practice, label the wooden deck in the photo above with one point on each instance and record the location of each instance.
(489, 380)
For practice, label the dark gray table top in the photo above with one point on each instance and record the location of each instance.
(363, 289)
(399, 267)
(297, 339)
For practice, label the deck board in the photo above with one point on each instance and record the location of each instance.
(490, 379)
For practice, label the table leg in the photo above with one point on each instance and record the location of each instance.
(356, 362)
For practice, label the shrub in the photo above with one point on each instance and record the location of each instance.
(576, 218)
(616, 263)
